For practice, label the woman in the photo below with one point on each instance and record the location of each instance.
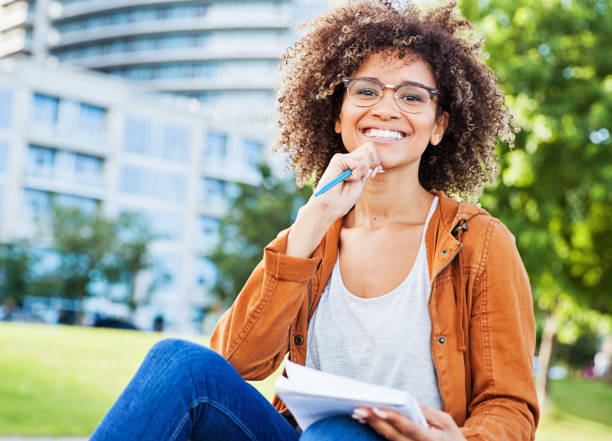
(383, 277)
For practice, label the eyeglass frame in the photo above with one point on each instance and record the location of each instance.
(433, 92)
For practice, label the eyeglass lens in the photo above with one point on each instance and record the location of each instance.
(408, 98)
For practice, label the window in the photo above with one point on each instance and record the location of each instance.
(137, 137)
(45, 110)
(87, 205)
(92, 119)
(215, 149)
(162, 12)
(213, 193)
(164, 225)
(176, 143)
(40, 162)
(252, 154)
(5, 107)
(153, 184)
(88, 169)
(36, 202)
(140, 73)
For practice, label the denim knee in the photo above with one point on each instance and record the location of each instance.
(183, 356)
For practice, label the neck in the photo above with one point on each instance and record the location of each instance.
(388, 199)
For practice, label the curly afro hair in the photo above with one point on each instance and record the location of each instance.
(339, 41)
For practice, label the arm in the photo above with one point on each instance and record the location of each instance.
(502, 341)
(254, 333)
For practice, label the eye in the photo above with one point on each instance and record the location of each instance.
(412, 97)
(366, 92)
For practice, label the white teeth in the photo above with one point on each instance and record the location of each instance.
(382, 133)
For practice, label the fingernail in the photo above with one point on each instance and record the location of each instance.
(360, 413)
(380, 169)
(379, 413)
(358, 418)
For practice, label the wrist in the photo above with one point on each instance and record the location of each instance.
(308, 230)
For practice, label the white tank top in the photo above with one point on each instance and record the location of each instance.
(383, 340)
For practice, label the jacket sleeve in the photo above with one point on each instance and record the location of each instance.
(253, 335)
(503, 403)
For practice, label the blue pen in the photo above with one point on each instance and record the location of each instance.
(339, 179)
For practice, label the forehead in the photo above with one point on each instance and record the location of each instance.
(390, 69)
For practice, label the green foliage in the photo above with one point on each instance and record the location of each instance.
(15, 275)
(553, 61)
(256, 216)
(94, 251)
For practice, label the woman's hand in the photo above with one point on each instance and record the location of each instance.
(339, 199)
(396, 427)
(320, 212)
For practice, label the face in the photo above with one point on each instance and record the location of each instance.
(407, 135)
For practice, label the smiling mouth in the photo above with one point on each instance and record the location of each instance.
(383, 134)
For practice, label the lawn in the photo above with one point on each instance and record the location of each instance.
(59, 380)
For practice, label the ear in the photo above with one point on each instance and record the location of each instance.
(439, 128)
(338, 126)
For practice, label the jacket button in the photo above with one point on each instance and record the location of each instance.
(444, 252)
(298, 340)
(441, 340)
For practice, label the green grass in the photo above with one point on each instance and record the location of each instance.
(60, 380)
(581, 410)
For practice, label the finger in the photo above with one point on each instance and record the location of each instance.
(342, 162)
(437, 418)
(368, 153)
(360, 168)
(404, 424)
(386, 429)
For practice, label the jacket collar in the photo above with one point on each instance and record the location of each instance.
(441, 242)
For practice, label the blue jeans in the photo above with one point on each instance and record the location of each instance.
(186, 391)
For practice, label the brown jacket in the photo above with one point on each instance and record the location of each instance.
(482, 336)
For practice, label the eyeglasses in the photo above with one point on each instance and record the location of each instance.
(410, 97)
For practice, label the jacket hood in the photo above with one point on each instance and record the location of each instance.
(453, 213)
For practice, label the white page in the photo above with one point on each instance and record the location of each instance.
(320, 383)
(312, 395)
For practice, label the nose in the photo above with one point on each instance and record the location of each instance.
(387, 108)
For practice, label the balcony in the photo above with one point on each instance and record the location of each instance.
(88, 8)
(15, 44)
(208, 84)
(93, 7)
(178, 55)
(109, 33)
(13, 18)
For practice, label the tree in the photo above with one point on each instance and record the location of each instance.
(95, 253)
(256, 216)
(131, 256)
(15, 271)
(553, 61)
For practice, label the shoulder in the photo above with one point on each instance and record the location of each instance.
(485, 237)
